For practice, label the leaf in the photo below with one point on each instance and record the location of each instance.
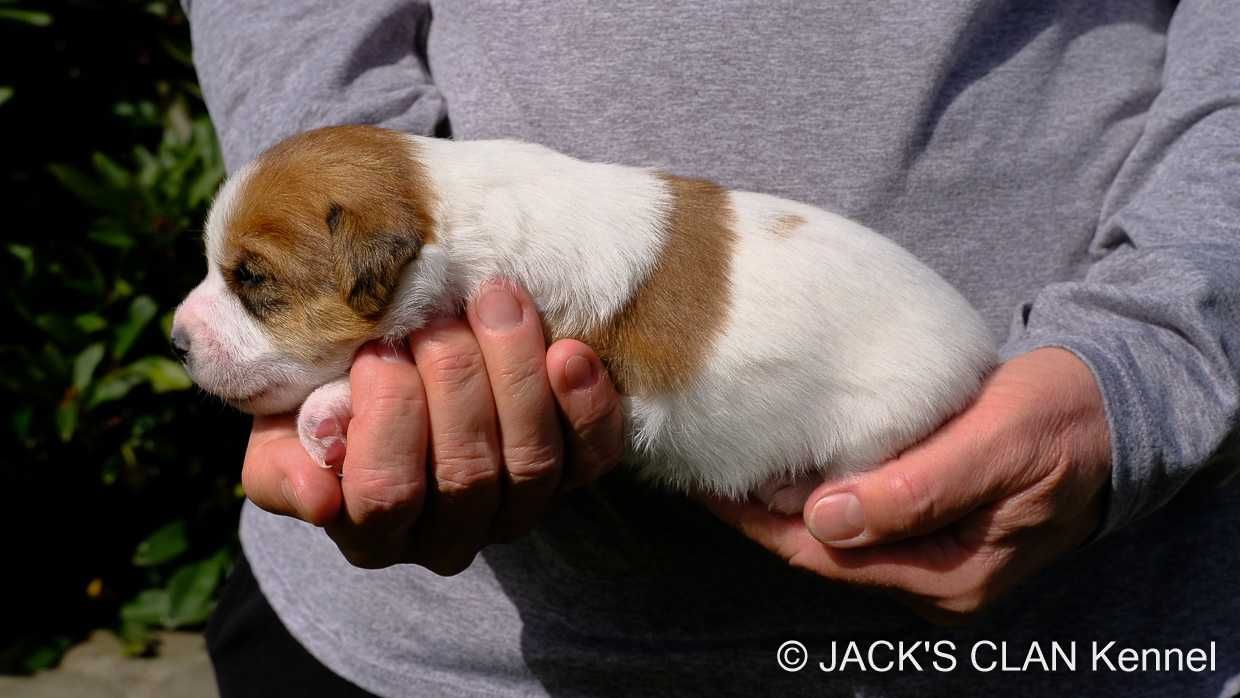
(136, 639)
(112, 173)
(165, 323)
(59, 327)
(66, 419)
(111, 236)
(85, 364)
(178, 53)
(205, 185)
(191, 589)
(90, 322)
(45, 654)
(23, 252)
(21, 421)
(30, 17)
(82, 186)
(113, 386)
(164, 545)
(54, 361)
(149, 607)
(6, 93)
(141, 311)
(164, 375)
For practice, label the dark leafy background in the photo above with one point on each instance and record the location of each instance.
(119, 478)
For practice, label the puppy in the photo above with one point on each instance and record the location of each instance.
(760, 344)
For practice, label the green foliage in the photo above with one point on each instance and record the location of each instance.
(124, 477)
(186, 599)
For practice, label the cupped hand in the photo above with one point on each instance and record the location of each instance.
(461, 440)
(1012, 482)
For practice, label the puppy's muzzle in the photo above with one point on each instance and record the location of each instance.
(180, 343)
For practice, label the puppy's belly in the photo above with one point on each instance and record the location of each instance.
(840, 350)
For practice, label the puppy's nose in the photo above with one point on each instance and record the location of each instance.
(180, 343)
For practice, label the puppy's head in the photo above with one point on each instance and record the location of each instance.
(305, 249)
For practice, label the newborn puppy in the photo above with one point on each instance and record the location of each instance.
(760, 344)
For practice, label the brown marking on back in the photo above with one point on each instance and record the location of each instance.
(786, 224)
(658, 342)
(328, 218)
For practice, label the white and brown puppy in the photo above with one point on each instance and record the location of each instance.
(757, 341)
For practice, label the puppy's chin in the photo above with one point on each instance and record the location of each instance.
(274, 399)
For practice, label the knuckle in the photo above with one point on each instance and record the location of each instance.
(597, 414)
(522, 375)
(395, 400)
(913, 507)
(380, 499)
(532, 461)
(464, 469)
(451, 367)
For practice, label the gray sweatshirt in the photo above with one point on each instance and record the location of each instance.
(1073, 167)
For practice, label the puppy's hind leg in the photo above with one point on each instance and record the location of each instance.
(323, 421)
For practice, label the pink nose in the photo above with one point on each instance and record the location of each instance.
(184, 325)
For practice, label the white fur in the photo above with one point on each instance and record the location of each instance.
(331, 401)
(839, 348)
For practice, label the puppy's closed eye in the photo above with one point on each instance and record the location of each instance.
(255, 286)
(246, 276)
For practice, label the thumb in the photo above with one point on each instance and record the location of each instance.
(928, 487)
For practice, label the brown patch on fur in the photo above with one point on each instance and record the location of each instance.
(659, 341)
(786, 224)
(326, 222)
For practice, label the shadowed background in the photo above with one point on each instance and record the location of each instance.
(119, 478)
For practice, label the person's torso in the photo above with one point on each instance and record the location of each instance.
(983, 136)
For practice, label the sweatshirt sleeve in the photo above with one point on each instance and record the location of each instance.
(271, 69)
(1157, 316)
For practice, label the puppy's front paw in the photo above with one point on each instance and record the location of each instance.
(323, 422)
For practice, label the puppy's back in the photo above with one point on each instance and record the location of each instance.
(839, 349)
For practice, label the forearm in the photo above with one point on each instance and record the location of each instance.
(1157, 318)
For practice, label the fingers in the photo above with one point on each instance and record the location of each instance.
(383, 480)
(937, 569)
(509, 335)
(591, 409)
(279, 476)
(465, 447)
(924, 489)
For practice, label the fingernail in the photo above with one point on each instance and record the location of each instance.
(334, 454)
(580, 373)
(836, 518)
(498, 309)
(392, 352)
(327, 427)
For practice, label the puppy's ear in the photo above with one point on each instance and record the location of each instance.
(369, 257)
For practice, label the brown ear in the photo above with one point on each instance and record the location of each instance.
(369, 260)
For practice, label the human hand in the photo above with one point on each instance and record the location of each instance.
(1010, 483)
(453, 444)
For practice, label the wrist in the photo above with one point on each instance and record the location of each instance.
(1068, 396)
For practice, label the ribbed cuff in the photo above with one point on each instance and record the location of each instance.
(1134, 471)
